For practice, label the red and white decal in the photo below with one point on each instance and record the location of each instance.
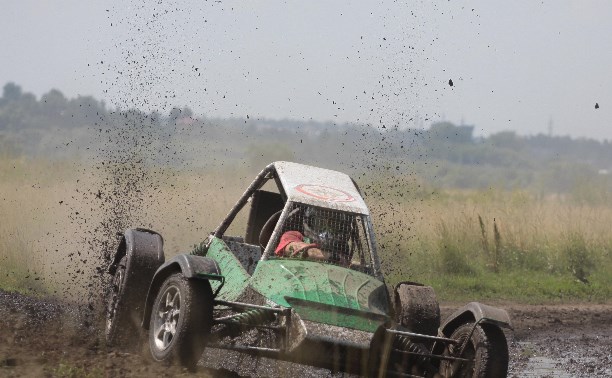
(325, 193)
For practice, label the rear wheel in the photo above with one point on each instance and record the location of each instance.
(181, 319)
(486, 349)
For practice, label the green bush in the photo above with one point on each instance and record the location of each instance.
(580, 261)
(452, 253)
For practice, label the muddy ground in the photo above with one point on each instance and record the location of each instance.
(44, 337)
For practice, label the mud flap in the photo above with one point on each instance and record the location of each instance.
(477, 313)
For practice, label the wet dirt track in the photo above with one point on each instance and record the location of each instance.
(561, 341)
(42, 337)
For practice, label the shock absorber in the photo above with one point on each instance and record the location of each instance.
(246, 320)
(252, 318)
(403, 343)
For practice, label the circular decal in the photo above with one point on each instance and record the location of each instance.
(325, 193)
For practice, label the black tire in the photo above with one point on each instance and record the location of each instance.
(181, 319)
(122, 330)
(487, 348)
(417, 308)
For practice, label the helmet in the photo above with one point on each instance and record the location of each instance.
(330, 230)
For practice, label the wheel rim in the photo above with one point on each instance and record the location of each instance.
(458, 368)
(113, 297)
(166, 317)
(467, 368)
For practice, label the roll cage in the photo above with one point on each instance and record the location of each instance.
(265, 205)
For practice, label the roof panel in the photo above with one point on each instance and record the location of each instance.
(320, 187)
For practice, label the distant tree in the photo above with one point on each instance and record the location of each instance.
(448, 131)
(175, 114)
(54, 102)
(155, 118)
(506, 139)
(16, 108)
(86, 109)
(187, 112)
(11, 92)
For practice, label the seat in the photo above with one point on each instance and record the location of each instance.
(267, 229)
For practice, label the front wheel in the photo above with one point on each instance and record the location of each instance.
(181, 319)
(487, 351)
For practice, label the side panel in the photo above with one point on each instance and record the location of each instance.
(318, 282)
(323, 293)
(236, 277)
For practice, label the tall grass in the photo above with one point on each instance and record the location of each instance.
(55, 227)
(493, 235)
(19, 269)
(476, 244)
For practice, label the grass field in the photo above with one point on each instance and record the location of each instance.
(505, 245)
(59, 219)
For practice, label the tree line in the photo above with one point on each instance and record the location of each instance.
(444, 155)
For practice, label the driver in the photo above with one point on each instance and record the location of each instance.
(324, 237)
(294, 244)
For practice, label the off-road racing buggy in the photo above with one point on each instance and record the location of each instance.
(256, 294)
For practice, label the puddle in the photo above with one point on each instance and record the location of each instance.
(558, 367)
(545, 367)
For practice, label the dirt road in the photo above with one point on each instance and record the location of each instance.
(43, 337)
(561, 341)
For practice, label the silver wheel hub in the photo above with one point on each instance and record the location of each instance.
(166, 318)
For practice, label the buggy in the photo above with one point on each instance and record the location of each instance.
(302, 283)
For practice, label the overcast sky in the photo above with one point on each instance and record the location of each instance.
(519, 65)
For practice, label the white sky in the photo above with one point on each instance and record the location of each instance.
(515, 65)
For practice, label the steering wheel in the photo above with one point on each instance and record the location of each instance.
(267, 229)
